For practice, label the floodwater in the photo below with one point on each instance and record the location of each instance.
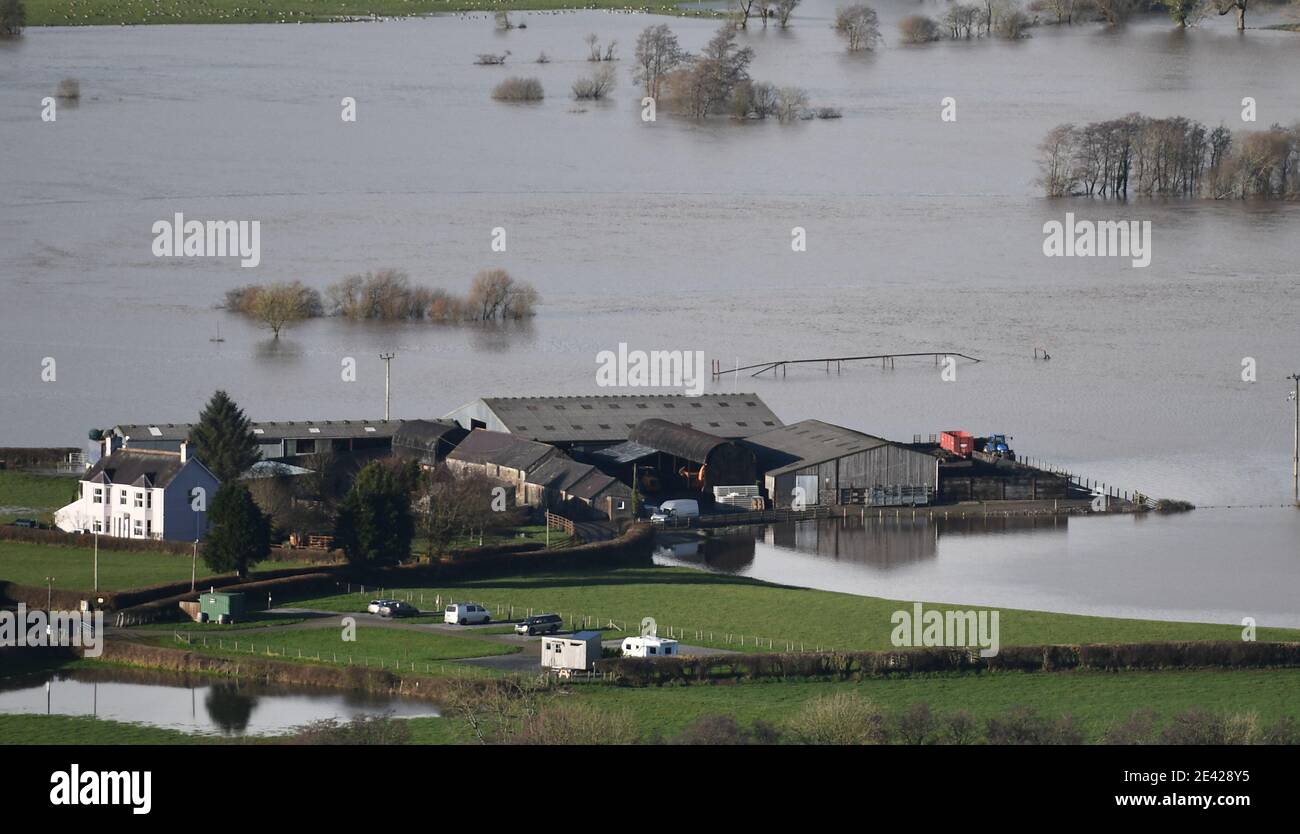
(1148, 567)
(922, 235)
(193, 705)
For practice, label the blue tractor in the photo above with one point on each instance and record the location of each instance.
(996, 444)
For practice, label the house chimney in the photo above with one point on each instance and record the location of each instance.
(108, 444)
(185, 451)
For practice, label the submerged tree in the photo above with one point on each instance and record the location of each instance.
(1238, 6)
(784, 9)
(657, 54)
(859, 25)
(1185, 12)
(708, 84)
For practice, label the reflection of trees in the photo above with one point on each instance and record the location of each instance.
(229, 708)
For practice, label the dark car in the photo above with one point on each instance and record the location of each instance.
(540, 624)
(26, 522)
(398, 609)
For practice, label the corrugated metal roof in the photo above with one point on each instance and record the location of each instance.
(273, 430)
(805, 443)
(501, 449)
(625, 452)
(682, 441)
(430, 435)
(609, 418)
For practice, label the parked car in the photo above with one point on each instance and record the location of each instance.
(677, 508)
(25, 522)
(540, 624)
(376, 604)
(466, 613)
(398, 608)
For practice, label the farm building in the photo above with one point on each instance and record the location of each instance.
(427, 441)
(503, 457)
(686, 457)
(594, 422)
(541, 475)
(835, 465)
(983, 478)
(277, 440)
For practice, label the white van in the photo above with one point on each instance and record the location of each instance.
(649, 647)
(466, 613)
(677, 508)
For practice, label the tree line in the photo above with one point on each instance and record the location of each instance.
(1171, 157)
(385, 295)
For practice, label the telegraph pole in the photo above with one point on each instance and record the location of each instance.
(1295, 441)
(388, 362)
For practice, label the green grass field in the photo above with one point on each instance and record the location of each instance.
(1095, 699)
(100, 12)
(706, 608)
(23, 495)
(374, 646)
(73, 568)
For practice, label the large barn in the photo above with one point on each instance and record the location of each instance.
(692, 459)
(594, 422)
(831, 464)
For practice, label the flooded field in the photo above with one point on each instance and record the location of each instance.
(922, 235)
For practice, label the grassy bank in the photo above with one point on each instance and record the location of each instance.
(113, 12)
(24, 495)
(1095, 699)
(76, 729)
(715, 610)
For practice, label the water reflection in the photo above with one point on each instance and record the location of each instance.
(191, 704)
(1183, 567)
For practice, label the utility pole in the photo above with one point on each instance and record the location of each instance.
(96, 563)
(388, 362)
(1295, 440)
(49, 593)
(194, 564)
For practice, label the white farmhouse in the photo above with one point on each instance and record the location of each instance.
(141, 494)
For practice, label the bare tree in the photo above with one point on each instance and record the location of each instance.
(1186, 12)
(657, 54)
(596, 85)
(593, 46)
(859, 25)
(961, 20)
(744, 8)
(791, 104)
(708, 84)
(1238, 6)
(918, 28)
(785, 8)
(278, 305)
